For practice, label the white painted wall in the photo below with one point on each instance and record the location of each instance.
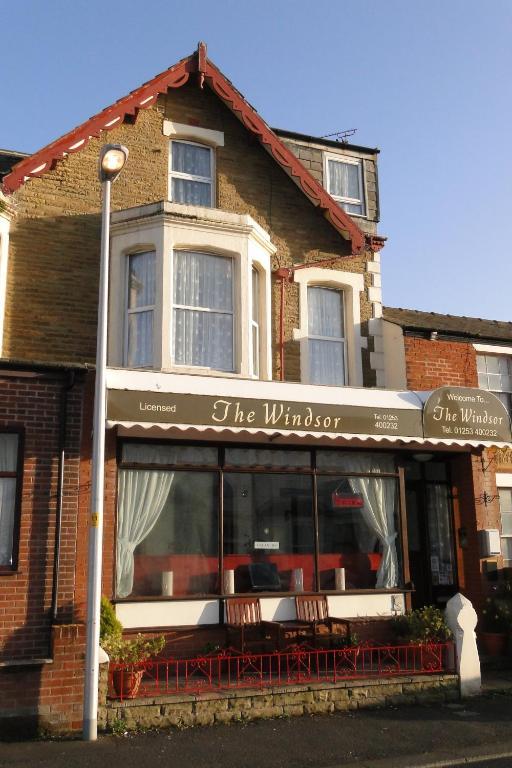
(168, 613)
(395, 376)
(182, 613)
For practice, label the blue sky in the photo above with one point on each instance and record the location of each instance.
(427, 81)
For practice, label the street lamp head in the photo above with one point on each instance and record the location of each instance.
(112, 161)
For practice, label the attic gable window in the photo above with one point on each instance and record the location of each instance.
(191, 174)
(345, 183)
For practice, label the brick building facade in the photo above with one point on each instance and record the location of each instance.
(446, 350)
(248, 390)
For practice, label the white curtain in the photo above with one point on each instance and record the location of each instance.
(141, 302)
(344, 179)
(142, 495)
(203, 336)
(379, 510)
(193, 161)
(8, 461)
(326, 330)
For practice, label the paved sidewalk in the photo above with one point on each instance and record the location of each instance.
(409, 737)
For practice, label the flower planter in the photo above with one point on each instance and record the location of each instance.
(493, 643)
(127, 682)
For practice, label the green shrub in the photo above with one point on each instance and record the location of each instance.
(110, 626)
(497, 614)
(132, 651)
(424, 625)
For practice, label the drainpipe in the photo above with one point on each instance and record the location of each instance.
(66, 387)
(286, 273)
(283, 274)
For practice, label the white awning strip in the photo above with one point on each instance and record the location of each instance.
(283, 434)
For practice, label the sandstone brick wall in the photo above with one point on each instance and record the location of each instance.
(52, 287)
(33, 406)
(285, 701)
(311, 156)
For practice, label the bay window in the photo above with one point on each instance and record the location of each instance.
(505, 500)
(190, 294)
(203, 311)
(326, 329)
(140, 309)
(191, 173)
(188, 516)
(255, 323)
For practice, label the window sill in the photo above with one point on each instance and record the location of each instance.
(25, 662)
(10, 572)
(176, 598)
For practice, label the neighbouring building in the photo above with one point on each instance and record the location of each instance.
(257, 438)
(424, 351)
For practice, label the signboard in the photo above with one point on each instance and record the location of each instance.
(462, 413)
(281, 415)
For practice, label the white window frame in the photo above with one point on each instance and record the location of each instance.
(192, 177)
(135, 310)
(162, 227)
(336, 339)
(491, 350)
(348, 160)
(233, 312)
(351, 284)
(255, 354)
(504, 481)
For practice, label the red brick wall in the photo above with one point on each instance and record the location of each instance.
(432, 364)
(31, 402)
(47, 697)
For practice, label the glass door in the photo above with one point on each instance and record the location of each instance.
(430, 532)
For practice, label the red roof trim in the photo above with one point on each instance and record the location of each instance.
(146, 95)
(285, 157)
(109, 118)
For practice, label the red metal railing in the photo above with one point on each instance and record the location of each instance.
(232, 670)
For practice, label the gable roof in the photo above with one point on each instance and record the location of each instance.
(448, 325)
(207, 73)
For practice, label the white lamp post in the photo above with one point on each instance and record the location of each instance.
(111, 162)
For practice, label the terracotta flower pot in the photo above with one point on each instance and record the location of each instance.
(493, 643)
(127, 682)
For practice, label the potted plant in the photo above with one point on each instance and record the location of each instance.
(496, 623)
(125, 654)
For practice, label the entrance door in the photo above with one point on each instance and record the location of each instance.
(430, 532)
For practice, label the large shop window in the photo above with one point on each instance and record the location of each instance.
(326, 329)
(203, 313)
(191, 173)
(9, 450)
(202, 520)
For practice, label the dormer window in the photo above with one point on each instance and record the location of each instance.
(345, 182)
(191, 174)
